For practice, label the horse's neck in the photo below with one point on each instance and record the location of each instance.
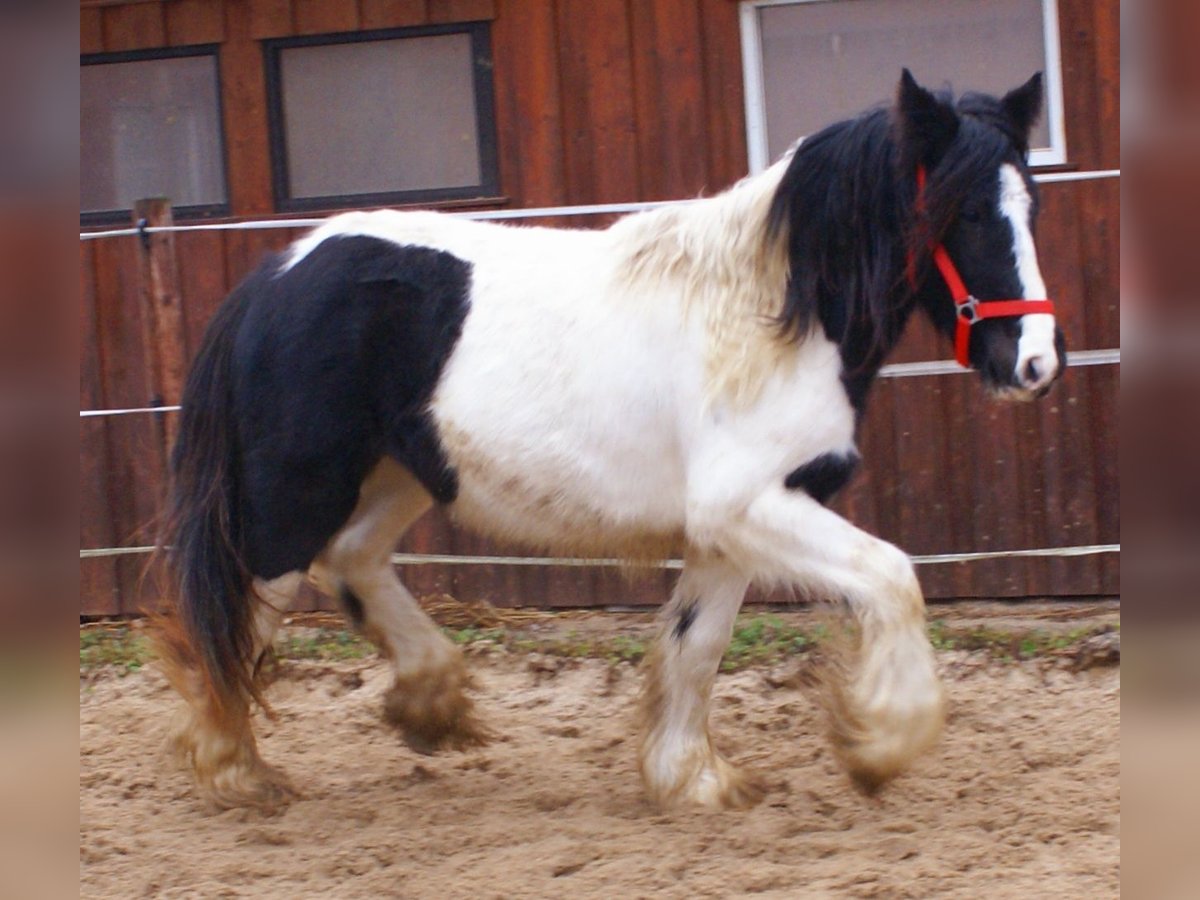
(715, 255)
(863, 356)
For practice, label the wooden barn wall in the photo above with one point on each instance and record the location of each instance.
(613, 100)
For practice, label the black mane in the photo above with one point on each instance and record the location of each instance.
(847, 204)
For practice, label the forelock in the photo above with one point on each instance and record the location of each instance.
(988, 111)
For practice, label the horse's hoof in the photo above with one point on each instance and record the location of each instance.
(876, 745)
(721, 785)
(432, 713)
(709, 781)
(259, 786)
(463, 732)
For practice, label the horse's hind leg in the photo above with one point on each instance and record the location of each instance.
(427, 700)
(677, 757)
(215, 738)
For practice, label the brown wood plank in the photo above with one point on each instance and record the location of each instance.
(392, 13)
(470, 583)
(986, 454)
(1099, 204)
(876, 481)
(195, 22)
(1031, 484)
(201, 256)
(529, 116)
(324, 16)
(1105, 384)
(1099, 278)
(966, 413)
(1080, 98)
(260, 19)
(91, 31)
(598, 116)
(723, 92)
(244, 107)
(856, 503)
(134, 26)
(669, 94)
(431, 534)
(441, 11)
(1106, 21)
(97, 577)
(1070, 483)
(134, 479)
(921, 465)
(419, 538)
(163, 327)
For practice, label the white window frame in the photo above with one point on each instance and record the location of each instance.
(755, 88)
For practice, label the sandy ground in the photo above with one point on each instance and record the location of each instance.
(1020, 799)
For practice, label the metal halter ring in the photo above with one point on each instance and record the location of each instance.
(968, 309)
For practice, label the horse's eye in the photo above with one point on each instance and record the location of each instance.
(971, 214)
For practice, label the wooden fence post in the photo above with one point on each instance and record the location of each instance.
(162, 313)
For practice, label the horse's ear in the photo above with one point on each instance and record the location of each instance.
(927, 125)
(1023, 105)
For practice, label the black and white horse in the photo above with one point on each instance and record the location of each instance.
(690, 377)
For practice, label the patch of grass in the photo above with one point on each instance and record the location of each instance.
(471, 634)
(324, 644)
(758, 639)
(938, 635)
(120, 647)
(624, 648)
(766, 639)
(1005, 645)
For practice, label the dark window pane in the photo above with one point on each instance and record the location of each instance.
(380, 117)
(150, 128)
(824, 61)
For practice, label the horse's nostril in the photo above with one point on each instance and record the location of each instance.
(1032, 374)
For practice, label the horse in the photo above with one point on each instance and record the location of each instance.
(689, 377)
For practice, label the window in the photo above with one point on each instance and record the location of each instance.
(809, 63)
(150, 126)
(382, 117)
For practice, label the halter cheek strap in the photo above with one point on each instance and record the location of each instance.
(969, 310)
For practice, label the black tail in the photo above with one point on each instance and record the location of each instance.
(211, 634)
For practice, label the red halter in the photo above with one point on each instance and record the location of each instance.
(968, 310)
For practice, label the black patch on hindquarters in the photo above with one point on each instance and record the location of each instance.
(823, 476)
(684, 619)
(335, 363)
(353, 607)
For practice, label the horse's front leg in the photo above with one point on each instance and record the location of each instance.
(677, 757)
(890, 705)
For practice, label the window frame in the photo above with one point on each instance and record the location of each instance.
(191, 211)
(487, 190)
(755, 97)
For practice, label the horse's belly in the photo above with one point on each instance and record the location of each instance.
(564, 494)
(552, 464)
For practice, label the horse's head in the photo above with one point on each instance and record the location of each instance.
(971, 246)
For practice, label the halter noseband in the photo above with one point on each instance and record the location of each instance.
(967, 309)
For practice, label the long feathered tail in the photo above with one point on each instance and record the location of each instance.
(207, 638)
